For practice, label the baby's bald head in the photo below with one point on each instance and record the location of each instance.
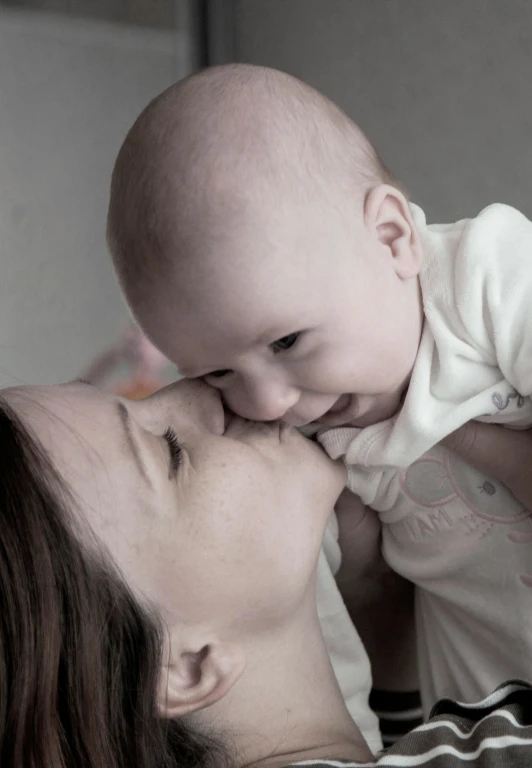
(212, 150)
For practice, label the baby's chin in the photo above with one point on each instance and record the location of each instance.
(368, 420)
(359, 423)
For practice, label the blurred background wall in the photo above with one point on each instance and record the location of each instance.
(441, 86)
(70, 87)
(147, 13)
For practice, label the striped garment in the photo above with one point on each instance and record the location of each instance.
(495, 733)
(398, 712)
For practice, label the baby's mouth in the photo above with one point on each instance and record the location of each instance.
(339, 413)
(334, 417)
(343, 402)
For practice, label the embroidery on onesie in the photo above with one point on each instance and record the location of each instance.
(466, 542)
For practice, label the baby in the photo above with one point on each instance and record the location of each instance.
(264, 247)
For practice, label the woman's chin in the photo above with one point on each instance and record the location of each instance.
(334, 472)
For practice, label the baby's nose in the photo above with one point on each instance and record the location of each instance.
(270, 401)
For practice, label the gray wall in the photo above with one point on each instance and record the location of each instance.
(69, 90)
(442, 87)
(151, 13)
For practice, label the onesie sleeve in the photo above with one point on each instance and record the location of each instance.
(494, 291)
(375, 485)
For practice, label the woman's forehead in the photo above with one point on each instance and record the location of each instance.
(60, 413)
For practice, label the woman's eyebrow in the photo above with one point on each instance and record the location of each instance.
(133, 445)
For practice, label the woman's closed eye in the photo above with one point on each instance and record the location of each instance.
(285, 342)
(175, 451)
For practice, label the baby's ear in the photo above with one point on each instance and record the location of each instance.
(197, 678)
(388, 218)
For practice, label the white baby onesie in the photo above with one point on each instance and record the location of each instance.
(475, 355)
(466, 543)
(457, 533)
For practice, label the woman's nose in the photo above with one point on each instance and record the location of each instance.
(191, 400)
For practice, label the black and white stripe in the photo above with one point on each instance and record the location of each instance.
(494, 733)
(398, 713)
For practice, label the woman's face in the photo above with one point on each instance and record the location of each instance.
(212, 518)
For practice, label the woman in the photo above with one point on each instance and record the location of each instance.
(157, 573)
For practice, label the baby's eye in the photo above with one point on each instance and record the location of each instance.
(218, 374)
(285, 342)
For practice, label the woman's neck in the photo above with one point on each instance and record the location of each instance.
(287, 706)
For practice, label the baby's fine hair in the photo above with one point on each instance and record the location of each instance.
(237, 129)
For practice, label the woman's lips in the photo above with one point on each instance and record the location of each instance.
(237, 426)
(228, 416)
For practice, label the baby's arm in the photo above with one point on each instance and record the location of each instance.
(379, 601)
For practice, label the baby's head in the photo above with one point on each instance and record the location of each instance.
(263, 246)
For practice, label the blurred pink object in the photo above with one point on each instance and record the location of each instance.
(144, 365)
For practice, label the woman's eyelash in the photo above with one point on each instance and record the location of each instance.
(174, 448)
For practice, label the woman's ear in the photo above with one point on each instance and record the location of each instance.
(388, 218)
(196, 679)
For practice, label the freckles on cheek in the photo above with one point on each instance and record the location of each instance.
(133, 550)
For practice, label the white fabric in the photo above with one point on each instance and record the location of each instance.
(348, 656)
(466, 543)
(475, 355)
(457, 533)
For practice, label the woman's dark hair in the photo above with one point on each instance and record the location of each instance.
(79, 656)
